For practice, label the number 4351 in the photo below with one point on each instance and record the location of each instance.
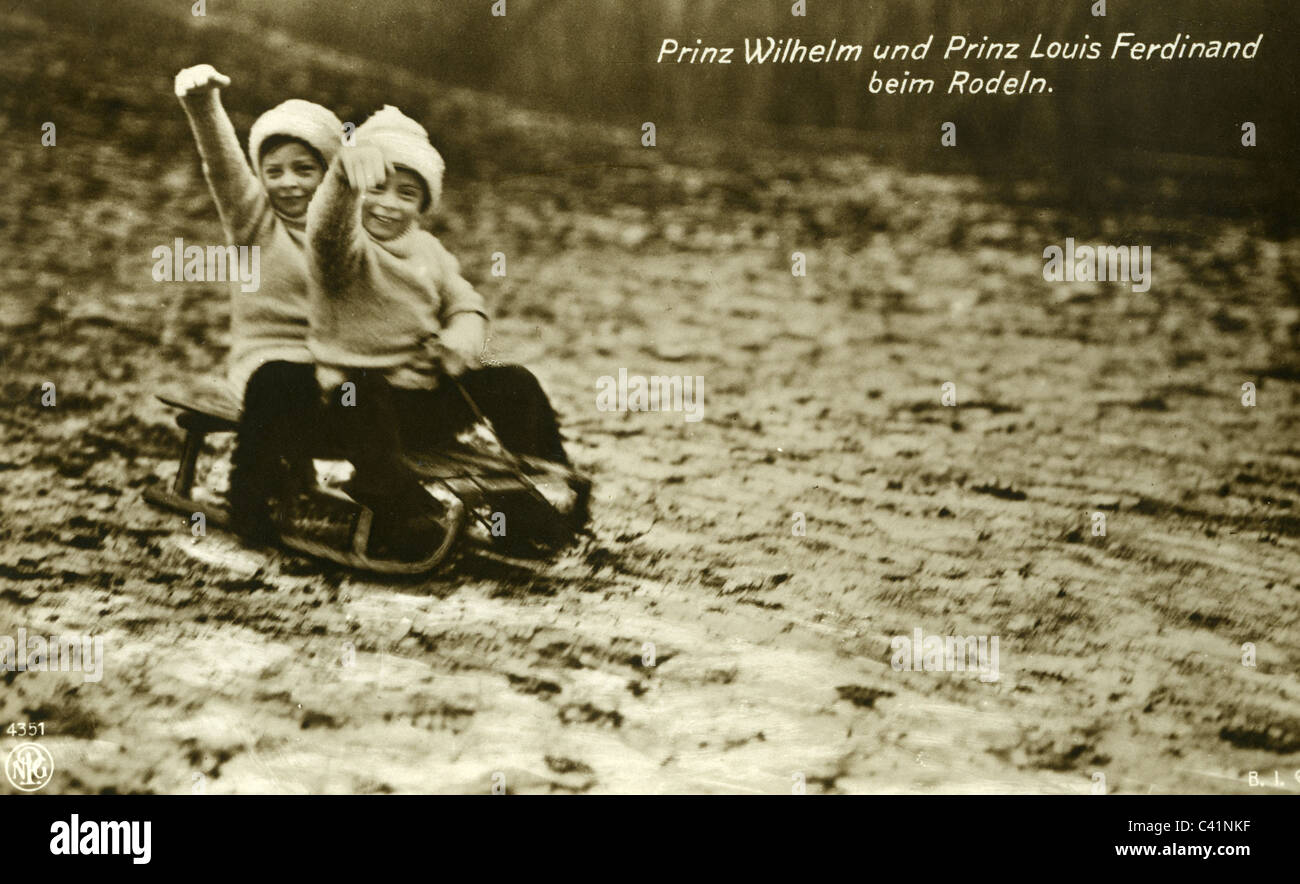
(23, 729)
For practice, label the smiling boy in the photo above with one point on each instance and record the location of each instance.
(390, 313)
(386, 294)
(263, 206)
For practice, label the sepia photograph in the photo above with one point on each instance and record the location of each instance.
(672, 398)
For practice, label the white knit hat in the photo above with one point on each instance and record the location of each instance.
(305, 120)
(405, 142)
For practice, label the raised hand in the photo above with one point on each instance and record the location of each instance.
(365, 167)
(200, 78)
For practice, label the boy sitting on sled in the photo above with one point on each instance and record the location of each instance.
(390, 313)
(265, 206)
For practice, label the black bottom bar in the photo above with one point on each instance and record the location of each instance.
(875, 833)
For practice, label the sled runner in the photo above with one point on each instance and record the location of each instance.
(490, 501)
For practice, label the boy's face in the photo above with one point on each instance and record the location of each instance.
(291, 174)
(393, 206)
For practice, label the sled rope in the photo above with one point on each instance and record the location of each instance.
(513, 463)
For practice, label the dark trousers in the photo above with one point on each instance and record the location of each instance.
(509, 396)
(272, 456)
(385, 421)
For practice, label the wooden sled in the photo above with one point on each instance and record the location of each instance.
(540, 504)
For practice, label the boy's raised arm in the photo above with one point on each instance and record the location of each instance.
(233, 184)
(334, 234)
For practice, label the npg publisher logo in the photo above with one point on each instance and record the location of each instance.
(29, 767)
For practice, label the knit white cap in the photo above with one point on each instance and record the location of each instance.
(404, 142)
(305, 120)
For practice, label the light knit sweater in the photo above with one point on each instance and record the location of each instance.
(270, 323)
(378, 304)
